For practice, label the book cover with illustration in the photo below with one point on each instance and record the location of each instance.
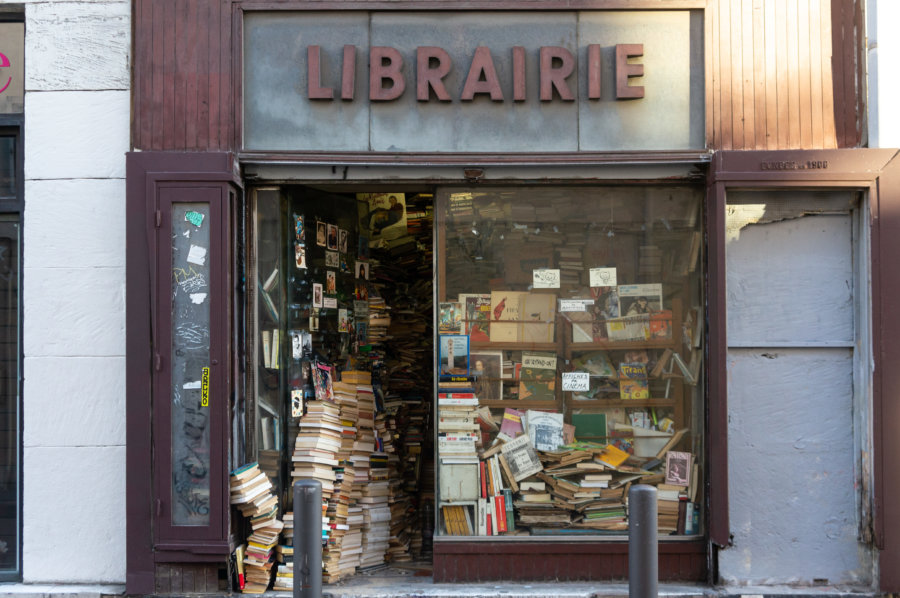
(450, 318)
(505, 316)
(537, 379)
(633, 382)
(477, 316)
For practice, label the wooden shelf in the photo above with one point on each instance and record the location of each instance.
(519, 403)
(514, 346)
(624, 345)
(576, 403)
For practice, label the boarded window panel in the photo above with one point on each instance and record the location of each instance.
(790, 271)
(791, 482)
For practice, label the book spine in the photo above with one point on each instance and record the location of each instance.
(510, 516)
(483, 481)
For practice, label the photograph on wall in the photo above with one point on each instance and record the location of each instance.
(317, 294)
(486, 368)
(454, 355)
(343, 239)
(321, 233)
(332, 237)
(299, 228)
(300, 256)
(386, 216)
(331, 259)
(330, 283)
(362, 270)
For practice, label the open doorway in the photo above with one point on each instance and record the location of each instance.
(340, 349)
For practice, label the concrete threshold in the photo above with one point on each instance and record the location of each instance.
(60, 590)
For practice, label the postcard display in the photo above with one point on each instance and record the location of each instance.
(344, 380)
(570, 350)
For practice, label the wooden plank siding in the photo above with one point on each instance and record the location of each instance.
(183, 75)
(780, 74)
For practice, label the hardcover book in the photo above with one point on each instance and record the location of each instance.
(505, 316)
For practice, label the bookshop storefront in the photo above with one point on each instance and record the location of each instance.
(468, 273)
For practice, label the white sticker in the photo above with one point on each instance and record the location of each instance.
(197, 255)
(603, 277)
(576, 381)
(329, 302)
(192, 385)
(198, 298)
(574, 304)
(545, 278)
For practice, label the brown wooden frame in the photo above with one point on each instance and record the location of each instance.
(876, 171)
(147, 172)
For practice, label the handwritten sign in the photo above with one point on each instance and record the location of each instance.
(576, 381)
(204, 388)
(603, 277)
(545, 278)
(574, 304)
(330, 302)
(539, 361)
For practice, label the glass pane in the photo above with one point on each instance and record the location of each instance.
(190, 363)
(7, 166)
(271, 335)
(9, 395)
(570, 350)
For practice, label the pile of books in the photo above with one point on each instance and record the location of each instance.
(251, 492)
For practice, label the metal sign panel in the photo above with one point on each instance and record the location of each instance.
(12, 68)
(473, 81)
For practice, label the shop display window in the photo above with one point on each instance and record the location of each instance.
(570, 353)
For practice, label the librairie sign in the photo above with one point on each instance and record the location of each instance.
(478, 81)
(387, 79)
(12, 67)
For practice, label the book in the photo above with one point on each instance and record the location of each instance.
(450, 318)
(454, 355)
(537, 379)
(633, 383)
(521, 458)
(505, 316)
(538, 316)
(477, 314)
(678, 468)
(511, 425)
(590, 426)
(545, 429)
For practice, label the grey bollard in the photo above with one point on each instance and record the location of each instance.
(307, 539)
(643, 557)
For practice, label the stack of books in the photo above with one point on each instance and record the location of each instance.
(251, 492)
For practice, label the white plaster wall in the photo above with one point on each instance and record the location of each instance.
(883, 47)
(791, 446)
(76, 134)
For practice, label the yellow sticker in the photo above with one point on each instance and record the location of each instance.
(204, 388)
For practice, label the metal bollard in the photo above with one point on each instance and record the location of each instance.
(307, 539)
(643, 556)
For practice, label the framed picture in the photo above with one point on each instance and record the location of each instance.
(317, 294)
(454, 353)
(678, 468)
(331, 259)
(343, 238)
(320, 234)
(486, 367)
(330, 283)
(332, 237)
